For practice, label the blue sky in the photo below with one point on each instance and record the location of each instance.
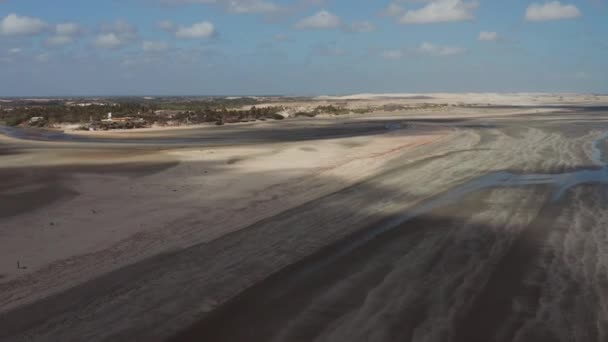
(301, 47)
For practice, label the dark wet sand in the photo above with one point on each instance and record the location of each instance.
(317, 298)
(25, 189)
(265, 311)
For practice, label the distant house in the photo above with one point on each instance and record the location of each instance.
(36, 119)
(109, 119)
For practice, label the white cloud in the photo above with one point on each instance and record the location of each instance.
(203, 29)
(234, 6)
(441, 11)
(486, 36)
(120, 27)
(252, 6)
(65, 33)
(14, 51)
(14, 24)
(553, 10)
(362, 26)
(435, 50)
(108, 41)
(323, 20)
(155, 46)
(116, 35)
(67, 29)
(424, 49)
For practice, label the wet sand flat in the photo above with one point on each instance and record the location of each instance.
(484, 227)
(75, 210)
(503, 263)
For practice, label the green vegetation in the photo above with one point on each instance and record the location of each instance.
(333, 110)
(55, 114)
(400, 107)
(222, 116)
(137, 114)
(209, 104)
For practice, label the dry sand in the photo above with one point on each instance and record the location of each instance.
(422, 103)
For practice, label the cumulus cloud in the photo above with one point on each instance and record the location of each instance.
(424, 49)
(362, 26)
(252, 6)
(441, 11)
(116, 35)
(14, 24)
(486, 36)
(203, 29)
(234, 6)
(199, 30)
(322, 20)
(108, 41)
(435, 50)
(149, 46)
(64, 34)
(67, 29)
(553, 10)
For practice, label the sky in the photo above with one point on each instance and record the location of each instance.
(301, 47)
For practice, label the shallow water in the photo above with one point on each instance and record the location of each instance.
(225, 135)
(40, 134)
(559, 182)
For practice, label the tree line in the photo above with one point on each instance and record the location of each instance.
(149, 113)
